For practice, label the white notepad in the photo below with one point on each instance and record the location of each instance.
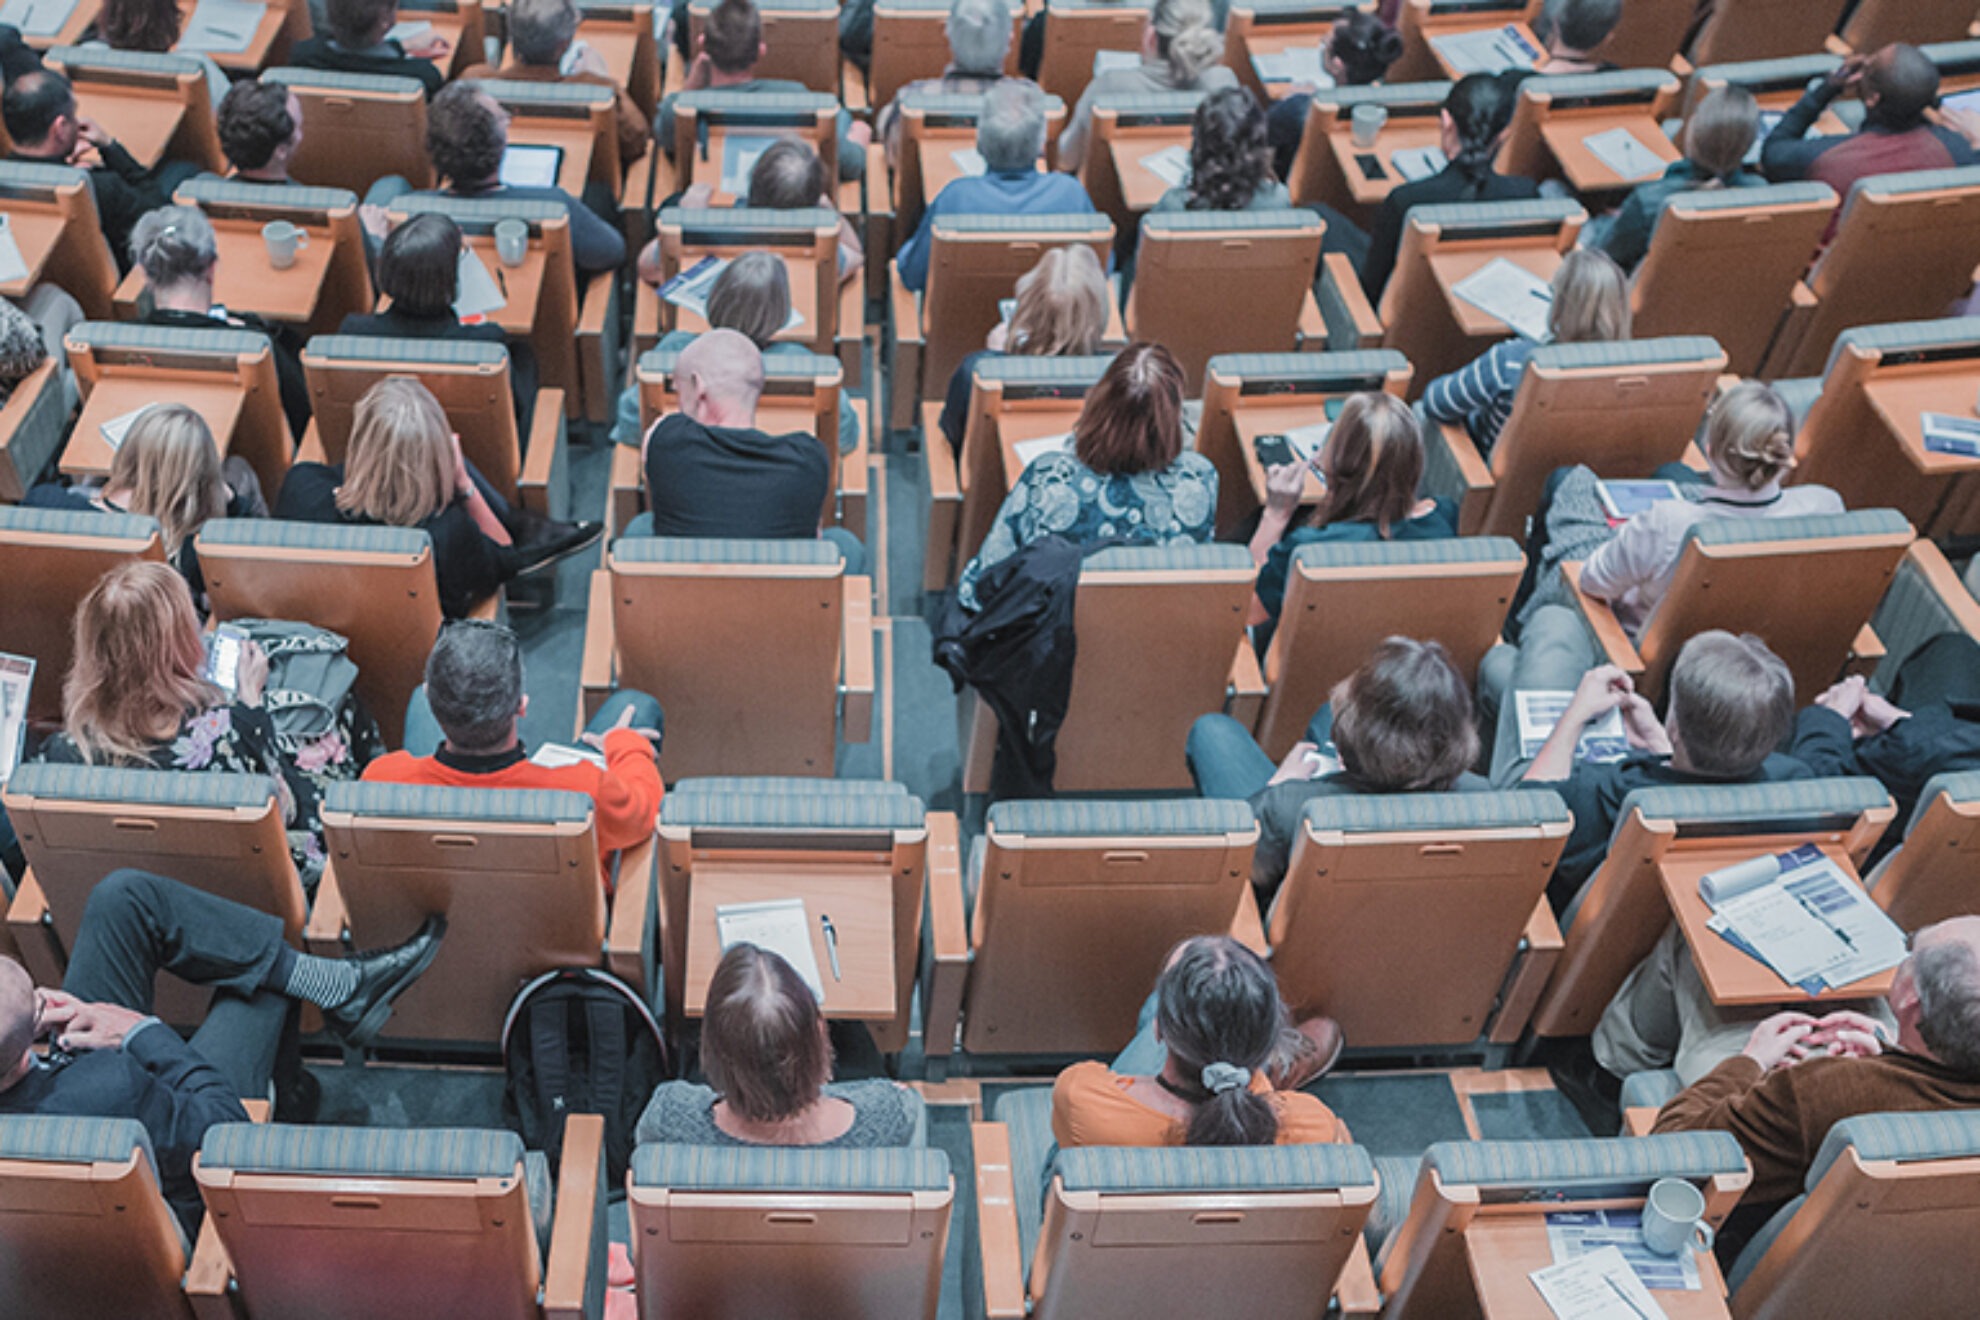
(1415, 163)
(779, 926)
(1297, 64)
(1030, 451)
(739, 153)
(1170, 165)
(1598, 1286)
(37, 18)
(411, 32)
(1489, 50)
(970, 161)
(1540, 709)
(221, 26)
(478, 294)
(1512, 293)
(114, 430)
(16, 681)
(1308, 441)
(690, 289)
(1624, 152)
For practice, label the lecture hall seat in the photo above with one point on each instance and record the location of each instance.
(62, 552)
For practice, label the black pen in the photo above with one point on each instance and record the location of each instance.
(831, 943)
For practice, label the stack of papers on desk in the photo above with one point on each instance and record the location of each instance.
(13, 266)
(1540, 709)
(1030, 451)
(1415, 163)
(413, 31)
(224, 27)
(778, 926)
(1512, 293)
(114, 430)
(1170, 165)
(1799, 913)
(477, 294)
(1946, 434)
(1623, 152)
(691, 287)
(1598, 1286)
(970, 161)
(37, 18)
(739, 153)
(16, 681)
(1298, 64)
(1492, 50)
(1572, 1234)
(1308, 441)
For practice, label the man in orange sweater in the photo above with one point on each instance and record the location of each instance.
(461, 732)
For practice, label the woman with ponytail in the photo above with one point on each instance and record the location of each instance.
(1475, 117)
(1182, 50)
(1202, 1069)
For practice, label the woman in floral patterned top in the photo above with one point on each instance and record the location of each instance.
(137, 695)
(1126, 476)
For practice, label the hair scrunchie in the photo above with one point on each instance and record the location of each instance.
(1221, 1077)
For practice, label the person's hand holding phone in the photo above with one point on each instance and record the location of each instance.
(251, 674)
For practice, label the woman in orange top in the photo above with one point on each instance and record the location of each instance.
(1218, 1017)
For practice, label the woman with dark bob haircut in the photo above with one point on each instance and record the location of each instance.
(1230, 164)
(769, 1066)
(1205, 1069)
(1402, 723)
(1124, 473)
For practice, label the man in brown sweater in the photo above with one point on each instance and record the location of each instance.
(1798, 1075)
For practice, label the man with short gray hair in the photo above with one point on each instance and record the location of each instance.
(979, 43)
(1010, 136)
(544, 47)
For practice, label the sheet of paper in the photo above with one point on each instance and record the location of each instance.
(1967, 101)
(1105, 61)
(778, 926)
(1623, 500)
(221, 26)
(1944, 433)
(1170, 164)
(531, 165)
(1296, 64)
(114, 430)
(690, 289)
(16, 681)
(37, 18)
(970, 161)
(13, 266)
(1575, 1233)
(1512, 293)
(409, 32)
(1598, 1286)
(1873, 940)
(1540, 709)
(1030, 451)
(1783, 933)
(556, 756)
(739, 153)
(1624, 152)
(1415, 163)
(478, 293)
(1768, 118)
(1489, 50)
(1308, 441)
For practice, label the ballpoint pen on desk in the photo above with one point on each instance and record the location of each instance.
(831, 943)
(1814, 910)
(1623, 1293)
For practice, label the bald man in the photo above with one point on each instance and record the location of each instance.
(1897, 86)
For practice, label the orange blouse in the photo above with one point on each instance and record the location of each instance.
(1091, 1107)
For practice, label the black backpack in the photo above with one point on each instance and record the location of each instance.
(580, 1041)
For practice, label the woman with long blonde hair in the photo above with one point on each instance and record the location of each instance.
(1060, 311)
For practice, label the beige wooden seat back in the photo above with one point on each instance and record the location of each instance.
(51, 558)
(1342, 599)
(1453, 879)
(1076, 31)
(1551, 113)
(358, 128)
(800, 37)
(373, 585)
(1258, 28)
(84, 1231)
(1763, 29)
(1725, 263)
(1317, 173)
(1650, 34)
(807, 241)
(911, 42)
(627, 27)
(1215, 282)
(1126, 718)
(328, 213)
(1934, 876)
(1875, 24)
(155, 106)
(52, 207)
(705, 120)
(1622, 911)
(514, 871)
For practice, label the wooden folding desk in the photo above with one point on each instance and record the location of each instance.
(1016, 425)
(858, 898)
(1566, 134)
(1277, 418)
(1458, 27)
(1900, 397)
(1504, 1246)
(521, 285)
(576, 139)
(218, 401)
(1142, 187)
(938, 165)
(245, 281)
(1400, 133)
(1733, 978)
(143, 120)
(1452, 267)
(36, 232)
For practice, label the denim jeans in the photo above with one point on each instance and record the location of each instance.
(424, 736)
(1227, 762)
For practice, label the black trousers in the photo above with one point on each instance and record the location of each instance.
(137, 925)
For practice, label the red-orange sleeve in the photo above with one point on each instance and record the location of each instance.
(629, 791)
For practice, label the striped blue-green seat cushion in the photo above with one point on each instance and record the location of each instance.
(1953, 56)
(23, 178)
(1228, 222)
(1583, 1164)
(208, 189)
(781, 365)
(186, 339)
(1809, 527)
(795, 552)
(479, 215)
(1946, 332)
(1320, 556)
(1102, 4)
(1694, 349)
(784, 784)
(60, 1139)
(1183, 557)
(1616, 83)
(1915, 181)
(1911, 614)
(1080, 371)
(416, 352)
(1179, 106)
(1391, 94)
(1454, 217)
(1076, 818)
(1386, 812)
(794, 811)
(1959, 786)
(134, 787)
(953, 105)
(791, 1169)
(1082, 223)
(1359, 364)
(511, 92)
(102, 57)
(362, 1152)
(330, 80)
(1952, 1134)
(21, 519)
(42, 429)
(1800, 393)
(1748, 73)
(1396, 1175)
(801, 220)
(428, 801)
(742, 107)
(326, 538)
(1795, 804)
(1155, 1169)
(1739, 199)
(1650, 1090)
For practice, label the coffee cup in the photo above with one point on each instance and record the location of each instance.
(1367, 122)
(511, 241)
(283, 240)
(1674, 1218)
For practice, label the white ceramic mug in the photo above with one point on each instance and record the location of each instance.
(1674, 1218)
(511, 241)
(283, 240)
(1367, 122)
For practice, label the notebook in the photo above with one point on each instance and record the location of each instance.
(223, 27)
(1946, 434)
(1170, 165)
(1415, 163)
(37, 18)
(1030, 451)
(1624, 153)
(530, 165)
(779, 926)
(13, 266)
(739, 153)
(479, 293)
(970, 161)
(1512, 293)
(1298, 64)
(691, 287)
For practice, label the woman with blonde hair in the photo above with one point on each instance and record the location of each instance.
(1716, 139)
(1369, 468)
(1590, 306)
(1060, 311)
(1182, 50)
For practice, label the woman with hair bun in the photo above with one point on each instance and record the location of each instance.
(1201, 1070)
(1357, 53)
(1230, 165)
(1182, 50)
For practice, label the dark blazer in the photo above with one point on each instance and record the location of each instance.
(17, 58)
(124, 191)
(322, 52)
(1448, 185)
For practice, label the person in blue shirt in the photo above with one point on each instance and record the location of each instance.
(1010, 136)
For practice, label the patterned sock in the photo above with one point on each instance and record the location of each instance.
(325, 982)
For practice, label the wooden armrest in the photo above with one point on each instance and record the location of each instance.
(323, 933)
(854, 94)
(310, 450)
(1248, 926)
(1781, 354)
(627, 492)
(1475, 480)
(1602, 621)
(600, 642)
(1929, 561)
(1533, 966)
(856, 659)
(575, 1225)
(27, 921)
(1246, 698)
(948, 929)
(1638, 1120)
(1355, 1290)
(909, 343)
(210, 1273)
(543, 458)
(626, 938)
(1312, 326)
(945, 499)
(906, 308)
(1866, 652)
(1343, 286)
(997, 1224)
(124, 299)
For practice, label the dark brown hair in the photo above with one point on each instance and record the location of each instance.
(254, 121)
(464, 134)
(763, 1042)
(732, 34)
(1132, 421)
(1403, 721)
(352, 22)
(1217, 1003)
(788, 176)
(1372, 463)
(419, 267)
(147, 25)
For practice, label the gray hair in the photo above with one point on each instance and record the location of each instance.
(16, 1014)
(1947, 976)
(541, 30)
(1732, 702)
(173, 244)
(1010, 134)
(474, 683)
(979, 35)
